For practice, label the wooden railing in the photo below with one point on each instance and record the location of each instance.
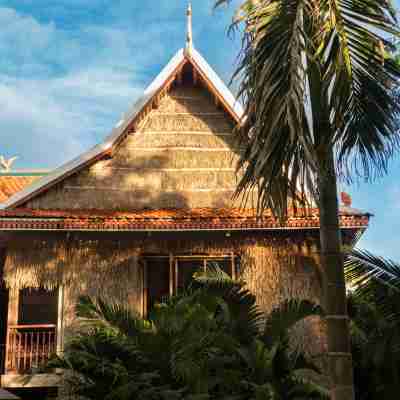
(29, 347)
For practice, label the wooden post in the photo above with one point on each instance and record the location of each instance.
(12, 319)
(233, 266)
(176, 274)
(145, 289)
(171, 274)
(60, 321)
(135, 292)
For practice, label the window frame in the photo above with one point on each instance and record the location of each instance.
(173, 263)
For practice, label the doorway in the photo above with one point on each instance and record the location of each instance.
(3, 323)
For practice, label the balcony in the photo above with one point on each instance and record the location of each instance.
(29, 347)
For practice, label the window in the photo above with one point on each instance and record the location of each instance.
(165, 275)
(157, 277)
(38, 306)
(188, 267)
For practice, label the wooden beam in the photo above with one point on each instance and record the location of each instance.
(171, 274)
(12, 319)
(60, 321)
(31, 381)
(145, 289)
(176, 274)
(233, 266)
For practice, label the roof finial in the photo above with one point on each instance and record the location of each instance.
(189, 37)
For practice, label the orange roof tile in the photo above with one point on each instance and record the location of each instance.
(167, 219)
(11, 184)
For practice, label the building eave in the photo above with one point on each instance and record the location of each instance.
(201, 219)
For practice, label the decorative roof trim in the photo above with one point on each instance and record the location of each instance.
(164, 220)
(97, 152)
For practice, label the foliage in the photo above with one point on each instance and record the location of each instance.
(374, 308)
(210, 342)
(316, 77)
(319, 81)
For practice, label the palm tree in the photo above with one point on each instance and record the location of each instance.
(318, 80)
(205, 343)
(374, 309)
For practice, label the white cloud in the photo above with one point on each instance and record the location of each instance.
(23, 32)
(48, 115)
(64, 84)
(50, 121)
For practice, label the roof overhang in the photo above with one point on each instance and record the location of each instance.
(165, 220)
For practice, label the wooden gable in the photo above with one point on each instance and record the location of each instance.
(180, 153)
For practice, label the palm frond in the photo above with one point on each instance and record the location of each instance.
(274, 94)
(361, 267)
(309, 385)
(283, 317)
(375, 286)
(360, 74)
(316, 77)
(213, 273)
(114, 315)
(235, 304)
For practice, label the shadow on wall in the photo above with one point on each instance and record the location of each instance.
(163, 165)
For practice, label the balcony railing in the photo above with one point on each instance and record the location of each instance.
(29, 347)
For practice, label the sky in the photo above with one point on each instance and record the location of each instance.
(69, 69)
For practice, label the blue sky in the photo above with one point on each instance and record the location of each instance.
(70, 68)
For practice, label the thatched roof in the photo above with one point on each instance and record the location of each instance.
(171, 74)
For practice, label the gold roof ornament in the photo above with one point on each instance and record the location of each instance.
(189, 34)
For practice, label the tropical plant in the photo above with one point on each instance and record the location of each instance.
(374, 309)
(207, 343)
(318, 80)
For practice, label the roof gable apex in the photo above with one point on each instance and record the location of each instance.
(212, 80)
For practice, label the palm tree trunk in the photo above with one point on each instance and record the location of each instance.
(334, 290)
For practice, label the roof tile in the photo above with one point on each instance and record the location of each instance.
(166, 219)
(10, 184)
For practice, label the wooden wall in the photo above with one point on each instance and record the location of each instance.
(275, 266)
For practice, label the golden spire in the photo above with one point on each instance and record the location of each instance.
(189, 37)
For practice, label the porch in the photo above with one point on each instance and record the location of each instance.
(29, 347)
(32, 337)
(140, 267)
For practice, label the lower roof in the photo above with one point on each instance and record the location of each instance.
(15, 181)
(169, 220)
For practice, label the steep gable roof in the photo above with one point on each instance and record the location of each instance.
(165, 78)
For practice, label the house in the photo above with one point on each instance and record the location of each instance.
(134, 217)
